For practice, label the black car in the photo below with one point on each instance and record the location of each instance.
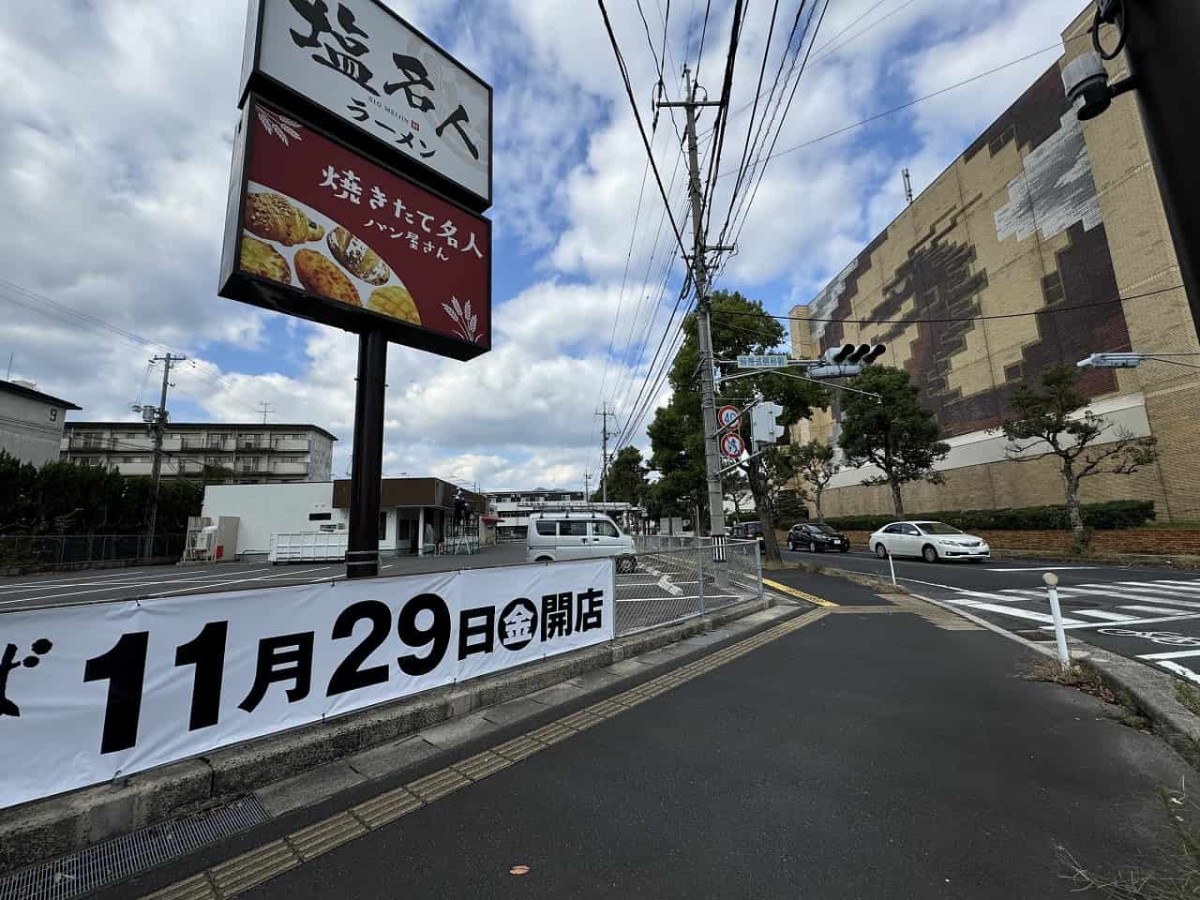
(817, 537)
(752, 531)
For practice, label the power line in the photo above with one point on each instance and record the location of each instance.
(1046, 311)
(907, 105)
(637, 116)
(824, 54)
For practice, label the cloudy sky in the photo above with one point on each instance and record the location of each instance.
(116, 121)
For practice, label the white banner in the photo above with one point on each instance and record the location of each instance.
(369, 67)
(90, 693)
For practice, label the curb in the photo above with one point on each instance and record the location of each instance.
(1153, 693)
(62, 824)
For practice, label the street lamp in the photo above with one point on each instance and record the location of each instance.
(1131, 360)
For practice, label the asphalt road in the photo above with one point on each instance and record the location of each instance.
(864, 755)
(1150, 614)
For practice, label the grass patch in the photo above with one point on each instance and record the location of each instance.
(1188, 696)
(1090, 681)
(1175, 874)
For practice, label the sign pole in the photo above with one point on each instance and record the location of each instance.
(366, 474)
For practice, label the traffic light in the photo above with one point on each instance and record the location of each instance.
(764, 425)
(846, 360)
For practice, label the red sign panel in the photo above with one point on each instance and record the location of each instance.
(322, 232)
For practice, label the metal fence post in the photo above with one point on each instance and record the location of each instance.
(700, 574)
(758, 568)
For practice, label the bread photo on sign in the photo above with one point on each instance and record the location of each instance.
(273, 217)
(359, 259)
(322, 276)
(394, 301)
(260, 258)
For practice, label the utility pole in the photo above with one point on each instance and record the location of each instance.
(604, 472)
(699, 263)
(266, 409)
(907, 185)
(159, 425)
(587, 487)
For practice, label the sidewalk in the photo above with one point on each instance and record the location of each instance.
(870, 750)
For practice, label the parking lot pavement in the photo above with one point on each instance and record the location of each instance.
(1148, 614)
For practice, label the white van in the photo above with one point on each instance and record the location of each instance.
(577, 535)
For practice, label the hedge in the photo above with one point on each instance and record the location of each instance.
(1113, 514)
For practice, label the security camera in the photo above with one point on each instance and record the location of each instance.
(1086, 82)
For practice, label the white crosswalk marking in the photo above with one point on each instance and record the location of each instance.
(1152, 609)
(1104, 614)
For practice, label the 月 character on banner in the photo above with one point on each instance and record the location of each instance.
(287, 657)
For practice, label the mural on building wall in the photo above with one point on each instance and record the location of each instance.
(1050, 210)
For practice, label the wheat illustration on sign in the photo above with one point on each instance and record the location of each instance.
(466, 322)
(280, 126)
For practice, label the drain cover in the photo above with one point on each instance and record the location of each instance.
(102, 864)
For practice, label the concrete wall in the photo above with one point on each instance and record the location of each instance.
(1041, 213)
(29, 429)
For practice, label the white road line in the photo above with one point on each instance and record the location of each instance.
(1190, 585)
(128, 581)
(191, 590)
(1077, 625)
(1019, 613)
(1135, 594)
(1152, 609)
(1039, 569)
(1183, 671)
(1162, 586)
(1174, 654)
(665, 584)
(1103, 614)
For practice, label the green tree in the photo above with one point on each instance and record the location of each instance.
(1047, 422)
(626, 478)
(739, 326)
(815, 466)
(891, 431)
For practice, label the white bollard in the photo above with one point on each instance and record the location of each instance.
(1060, 636)
(891, 565)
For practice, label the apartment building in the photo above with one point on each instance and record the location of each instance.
(235, 453)
(31, 423)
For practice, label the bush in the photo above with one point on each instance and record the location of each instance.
(1113, 514)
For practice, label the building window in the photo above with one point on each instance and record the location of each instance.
(320, 517)
(383, 526)
(53, 414)
(403, 530)
(216, 441)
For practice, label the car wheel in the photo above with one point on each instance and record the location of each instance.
(844, 550)
(929, 554)
(881, 551)
(545, 559)
(792, 546)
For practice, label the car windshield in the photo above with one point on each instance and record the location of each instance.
(824, 529)
(937, 528)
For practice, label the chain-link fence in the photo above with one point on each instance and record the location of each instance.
(64, 551)
(678, 578)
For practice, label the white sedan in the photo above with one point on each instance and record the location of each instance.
(929, 540)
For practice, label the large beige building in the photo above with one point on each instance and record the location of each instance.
(1041, 212)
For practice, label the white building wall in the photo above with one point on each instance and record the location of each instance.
(265, 509)
(29, 429)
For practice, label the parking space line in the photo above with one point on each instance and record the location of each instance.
(1103, 614)
(1151, 609)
